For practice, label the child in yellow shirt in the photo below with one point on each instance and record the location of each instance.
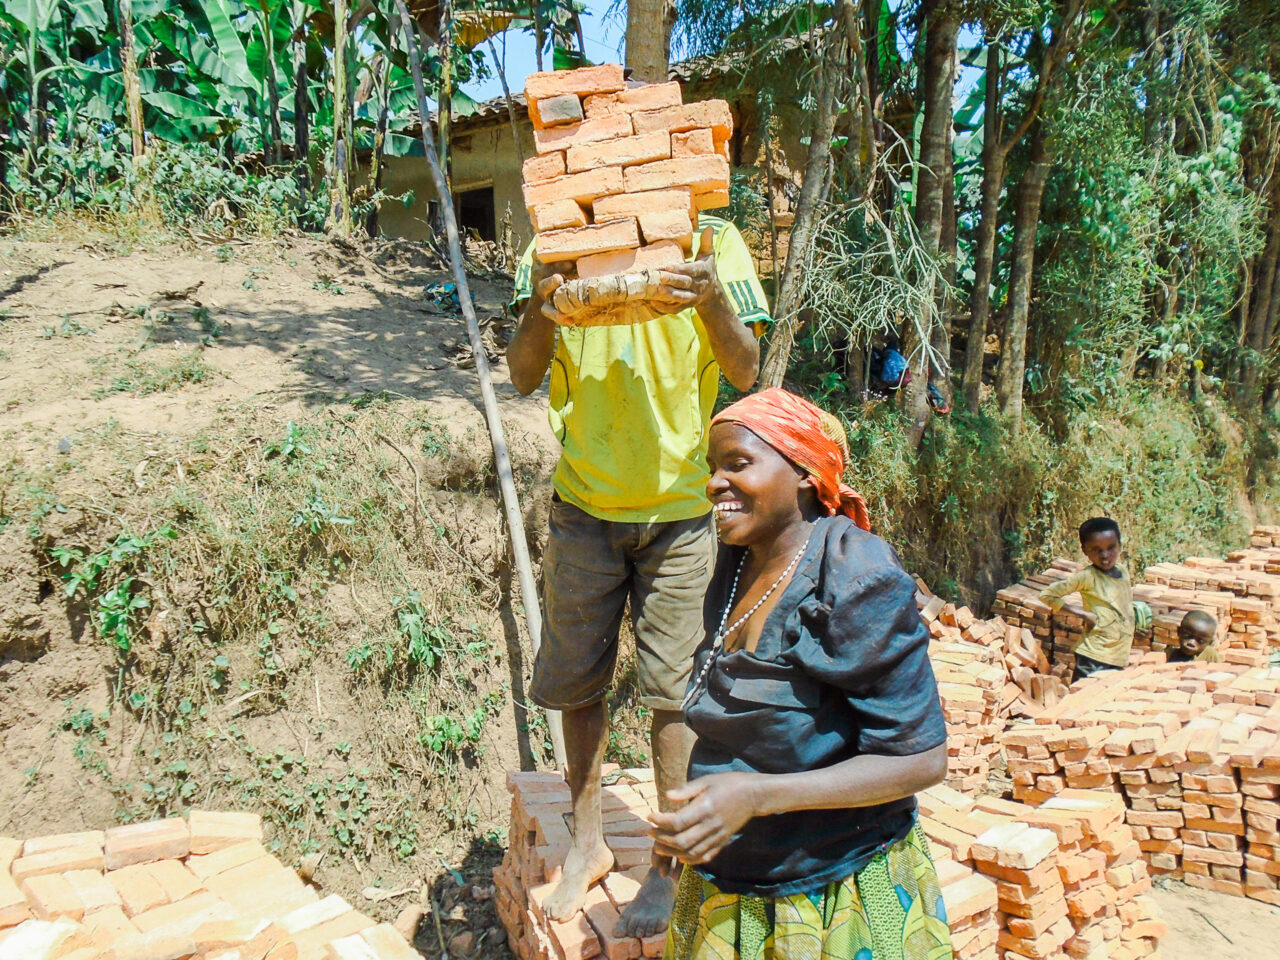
(1107, 594)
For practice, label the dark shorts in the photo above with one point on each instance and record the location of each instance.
(590, 570)
(1087, 667)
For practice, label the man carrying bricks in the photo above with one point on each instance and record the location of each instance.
(630, 403)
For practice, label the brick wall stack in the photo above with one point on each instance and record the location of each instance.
(966, 654)
(198, 889)
(1193, 750)
(621, 173)
(538, 842)
(1069, 878)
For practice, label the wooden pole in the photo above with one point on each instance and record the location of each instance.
(501, 459)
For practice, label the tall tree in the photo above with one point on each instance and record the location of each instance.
(339, 221)
(995, 157)
(649, 24)
(1013, 350)
(941, 26)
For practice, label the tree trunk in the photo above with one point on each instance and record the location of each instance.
(301, 119)
(129, 67)
(1255, 326)
(379, 145)
(786, 316)
(858, 54)
(941, 27)
(340, 194)
(993, 162)
(500, 64)
(947, 250)
(444, 96)
(1013, 353)
(271, 151)
(649, 25)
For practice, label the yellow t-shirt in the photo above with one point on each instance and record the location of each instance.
(631, 403)
(1110, 600)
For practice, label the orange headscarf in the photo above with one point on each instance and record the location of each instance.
(808, 437)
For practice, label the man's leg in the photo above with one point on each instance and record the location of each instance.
(585, 734)
(670, 583)
(649, 912)
(585, 575)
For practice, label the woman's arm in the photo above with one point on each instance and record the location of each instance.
(718, 806)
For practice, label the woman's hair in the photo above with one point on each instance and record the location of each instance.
(1095, 525)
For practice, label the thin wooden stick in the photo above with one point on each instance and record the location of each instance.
(501, 459)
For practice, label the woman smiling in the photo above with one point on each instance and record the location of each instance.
(816, 714)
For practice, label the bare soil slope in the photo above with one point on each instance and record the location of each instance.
(155, 387)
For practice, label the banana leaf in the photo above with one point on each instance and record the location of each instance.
(227, 39)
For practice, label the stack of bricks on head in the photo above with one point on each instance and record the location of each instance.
(202, 888)
(621, 172)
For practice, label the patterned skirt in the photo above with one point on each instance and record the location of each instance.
(891, 909)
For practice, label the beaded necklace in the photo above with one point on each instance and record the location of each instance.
(722, 634)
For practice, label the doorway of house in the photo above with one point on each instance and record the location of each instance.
(476, 213)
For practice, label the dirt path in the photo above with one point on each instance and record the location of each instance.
(1213, 926)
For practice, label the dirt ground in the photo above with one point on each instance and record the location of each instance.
(193, 347)
(1203, 925)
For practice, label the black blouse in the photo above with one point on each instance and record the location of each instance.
(841, 669)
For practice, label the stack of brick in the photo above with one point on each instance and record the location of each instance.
(1069, 879)
(1265, 537)
(1194, 752)
(1017, 881)
(621, 173)
(966, 657)
(539, 839)
(197, 889)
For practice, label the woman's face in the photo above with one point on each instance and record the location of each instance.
(755, 492)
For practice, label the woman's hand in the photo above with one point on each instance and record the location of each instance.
(717, 807)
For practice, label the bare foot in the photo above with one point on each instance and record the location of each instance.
(580, 871)
(650, 910)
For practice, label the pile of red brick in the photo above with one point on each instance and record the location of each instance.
(1062, 879)
(204, 888)
(1238, 592)
(537, 845)
(1018, 882)
(1194, 751)
(621, 172)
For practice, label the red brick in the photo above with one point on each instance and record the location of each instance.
(225, 859)
(968, 897)
(176, 880)
(662, 225)
(603, 917)
(575, 242)
(544, 167)
(13, 905)
(311, 942)
(213, 830)
(82, 857)
(60, 841)
(554, 111)
(144, 842)
(711, 199)
(701, 174)
(651, 96)
(153, 947)
(387, 943)
(557, 215)
(184, 917)
(576, 134)
(574, 939)
(51, 897)
(582, 82)
(623, 205)
(714, 114)
(93, 889)
(601, 105)
(108, 925)
(654, 256)
(692, 143)
(583, 187)
(138, 890)
(624, 152)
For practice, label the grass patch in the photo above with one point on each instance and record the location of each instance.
(144, 379)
